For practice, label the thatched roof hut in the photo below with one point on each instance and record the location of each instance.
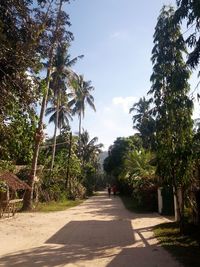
(13, 182)
(9, 184)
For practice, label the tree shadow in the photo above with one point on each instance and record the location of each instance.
(101, 233)
(113, 207)
(78, 240)
(87, 240)
(152, 256)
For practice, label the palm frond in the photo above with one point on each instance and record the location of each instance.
(91, 103)
(50, 110)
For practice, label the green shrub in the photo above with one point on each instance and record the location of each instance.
(6, 166)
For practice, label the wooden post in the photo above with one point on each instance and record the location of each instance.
(7, 193)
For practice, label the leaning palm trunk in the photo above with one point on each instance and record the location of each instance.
(28, 197)
(55, 132)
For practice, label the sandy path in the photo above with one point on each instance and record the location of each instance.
(98, 233)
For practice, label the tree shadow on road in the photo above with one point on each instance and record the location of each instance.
(78, 240)
(152, 256)
(88, 240)
(113, 208)
(107, 239)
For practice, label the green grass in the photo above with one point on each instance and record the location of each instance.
(57, 206)
(185, 248)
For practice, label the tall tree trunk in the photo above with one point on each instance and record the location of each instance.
(79, 134)
(28, 197)
(180, 208)
(179, 203)
(55, 132)
(68, 160)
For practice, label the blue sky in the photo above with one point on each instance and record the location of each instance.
(116, 39)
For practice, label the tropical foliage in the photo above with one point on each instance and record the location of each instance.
(169, 151)
(82, 96)
(58, 84)
(34, 39)
(37, 79)
(173, 106)
(189, 10)
(144, 122)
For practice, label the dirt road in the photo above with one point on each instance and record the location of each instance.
(98, 233)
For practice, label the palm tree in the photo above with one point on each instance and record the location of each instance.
(28, 197)
(141, 108)
(144, 122)
(64, 114)
(139, 174)
(60, 115)
(89, 149)
(138, 164)
(82, 96)
(60, 76)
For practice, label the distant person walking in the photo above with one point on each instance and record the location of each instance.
(114, 189)
(109, 190)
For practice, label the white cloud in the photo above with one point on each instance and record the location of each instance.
(119, 35)
(111, 121)
(125, 102)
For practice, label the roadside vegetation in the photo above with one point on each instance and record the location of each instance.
(57, 205)
(132, 205)
(37, 80)
(164, 152)
(185, 248)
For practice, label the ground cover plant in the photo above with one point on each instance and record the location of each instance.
(184, 247)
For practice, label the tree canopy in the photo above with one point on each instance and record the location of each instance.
(173, 107)
(189, 10)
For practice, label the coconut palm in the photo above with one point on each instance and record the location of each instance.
(60, 76)
(82, 97)
(64, 115)
(138, 164)
(89, 149)
(141, 108)
(144, 122)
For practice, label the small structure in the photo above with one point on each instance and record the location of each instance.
(9, 185)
